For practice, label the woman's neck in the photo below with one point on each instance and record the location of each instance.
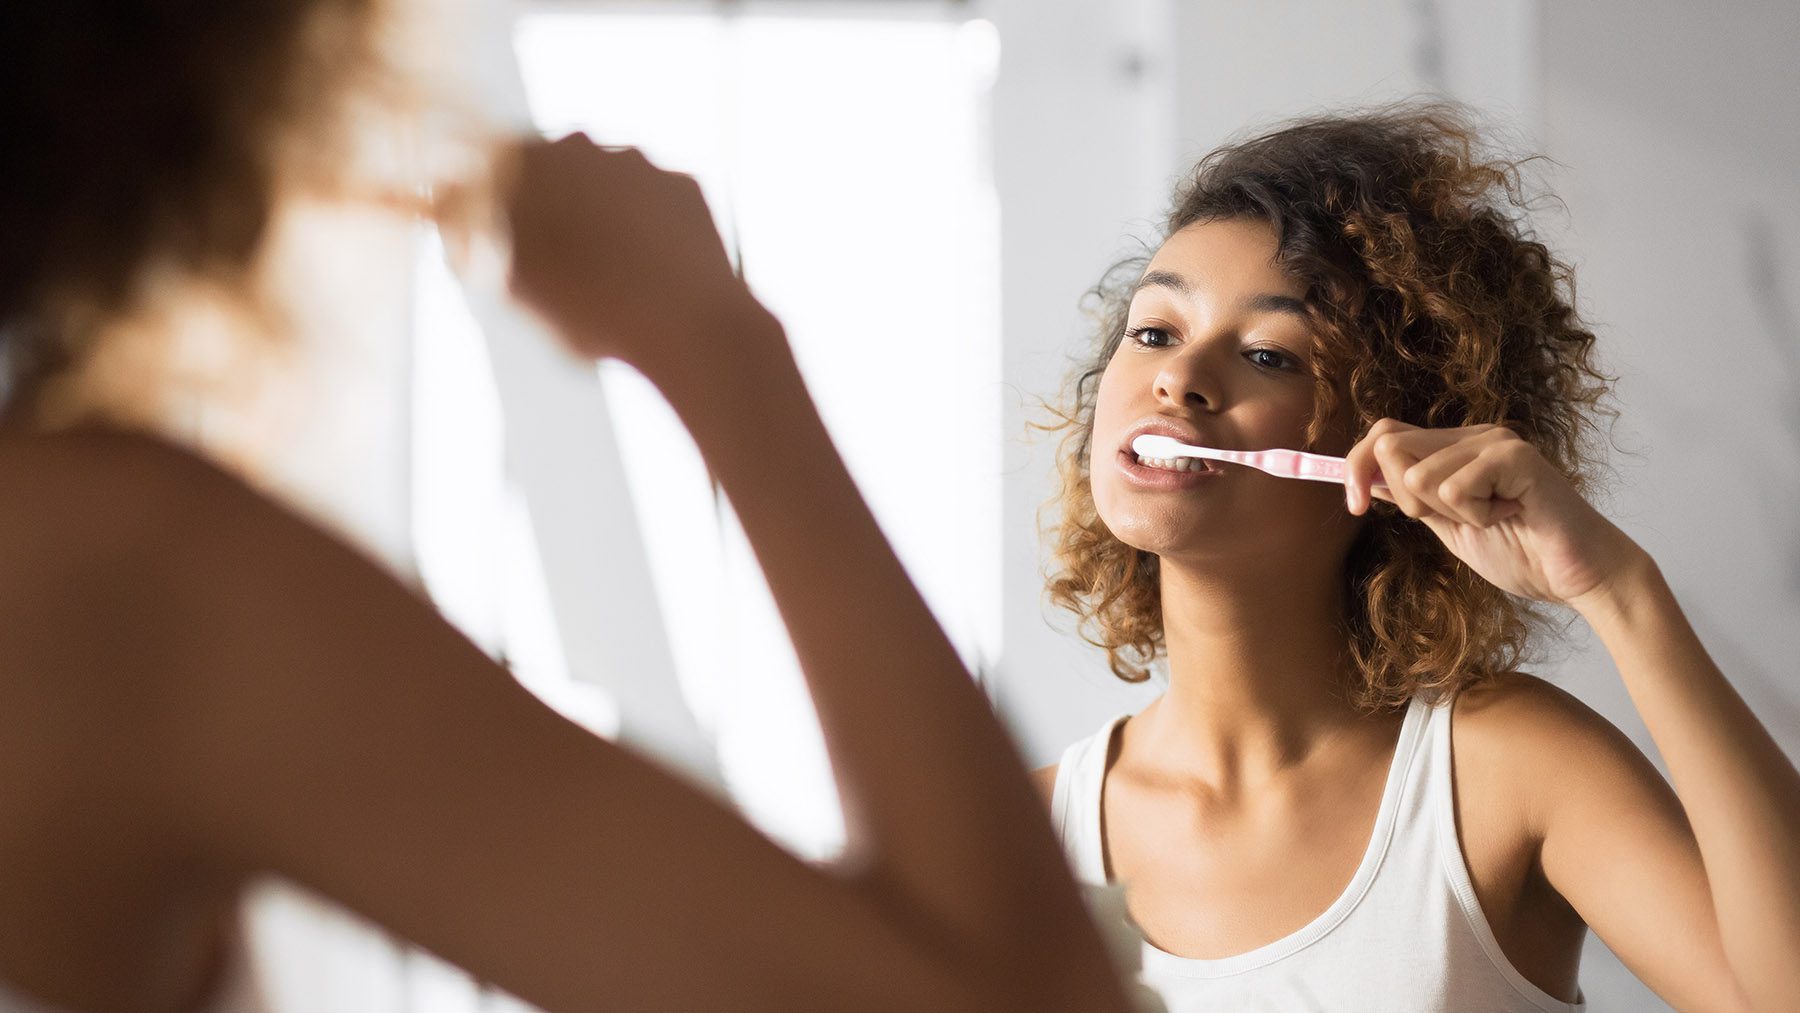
(1257, 665)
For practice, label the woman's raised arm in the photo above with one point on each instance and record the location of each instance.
(1699, 890)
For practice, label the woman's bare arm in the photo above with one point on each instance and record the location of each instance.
(623, 261)
(1739, 793)
(1606, 831)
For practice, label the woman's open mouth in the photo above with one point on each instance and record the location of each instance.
(1165, 473)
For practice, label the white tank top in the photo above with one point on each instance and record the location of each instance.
(1406, 934)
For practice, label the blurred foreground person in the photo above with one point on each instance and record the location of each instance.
(200, 687)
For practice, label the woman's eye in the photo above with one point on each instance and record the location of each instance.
(1149, 337)
(1268, 358)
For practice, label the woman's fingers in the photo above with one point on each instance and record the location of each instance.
(1415, 463)
(1427, 482)
(620, 255)
(1495, 481)
(1383, 454)
(1362, 470)
(1453, 481)
(1395, 453)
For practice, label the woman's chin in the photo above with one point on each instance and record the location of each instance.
(1166, 536)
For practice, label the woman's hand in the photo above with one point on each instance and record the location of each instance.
(1499, 506)
(621, 257)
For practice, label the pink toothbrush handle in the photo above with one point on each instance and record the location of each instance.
(1320, 468)
(1295, 464)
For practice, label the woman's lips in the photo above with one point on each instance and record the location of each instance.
(1144, 477)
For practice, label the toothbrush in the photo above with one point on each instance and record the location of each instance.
(1280, 463)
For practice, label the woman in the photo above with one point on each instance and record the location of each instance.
(200, 687)
(1348, 796)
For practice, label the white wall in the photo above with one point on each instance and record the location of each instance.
(1677, 131)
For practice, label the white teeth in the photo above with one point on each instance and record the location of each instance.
(1173, 463)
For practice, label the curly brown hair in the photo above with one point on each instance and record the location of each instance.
(1431, 302)
(143, 141)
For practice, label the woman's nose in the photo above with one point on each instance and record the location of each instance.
(1186, 380)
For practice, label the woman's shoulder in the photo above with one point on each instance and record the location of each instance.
(103, 528)
(112, 495)
(1521, 709)
(101, 533)
(99, 507)
(1520, 737)
(106, 479)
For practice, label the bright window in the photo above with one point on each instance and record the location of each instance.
(844, 156)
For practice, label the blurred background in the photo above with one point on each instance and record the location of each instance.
(923, 190)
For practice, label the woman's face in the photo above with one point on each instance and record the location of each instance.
(1216, 353)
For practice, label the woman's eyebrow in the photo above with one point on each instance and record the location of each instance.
(1268, 302)
(1162, 279)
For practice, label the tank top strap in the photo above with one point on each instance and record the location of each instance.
(1441, 819)
(1414, 778)
(1075, 802)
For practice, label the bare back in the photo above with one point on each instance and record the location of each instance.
(104, 906)
(200, 686)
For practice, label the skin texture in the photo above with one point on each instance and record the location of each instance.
(1238, 804)
(201, 687)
